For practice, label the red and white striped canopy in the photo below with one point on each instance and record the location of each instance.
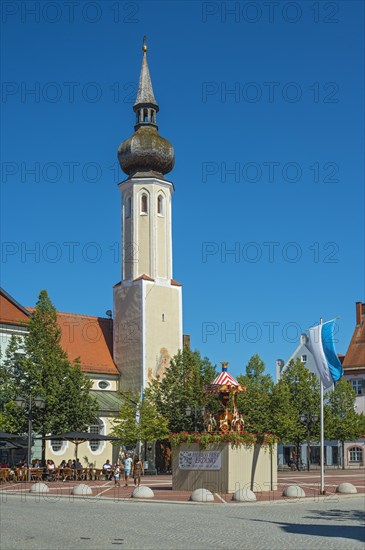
(225, 379)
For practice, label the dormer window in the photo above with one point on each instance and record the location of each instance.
(160, 205)
(144, 204)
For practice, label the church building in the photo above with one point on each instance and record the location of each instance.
(127, 352)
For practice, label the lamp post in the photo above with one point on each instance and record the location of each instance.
(196, 412)
(308, 419)
(29, 405)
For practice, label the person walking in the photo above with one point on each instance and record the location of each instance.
(127, 468)
(137, 471)
(116, 475)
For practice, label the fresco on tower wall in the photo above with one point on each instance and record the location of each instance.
(162, 364)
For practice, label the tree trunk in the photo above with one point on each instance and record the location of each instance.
(343, 454)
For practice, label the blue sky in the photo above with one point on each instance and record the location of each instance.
(263, 104)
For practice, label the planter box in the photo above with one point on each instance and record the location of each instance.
(222, 469)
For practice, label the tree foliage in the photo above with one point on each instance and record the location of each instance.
(297, 393)
(256, 403)
(184, 386)
(38, 366)
(139, 421)
(341, 421)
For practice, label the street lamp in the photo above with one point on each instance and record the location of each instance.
(29, 405)
(308, 419)
(196, 412)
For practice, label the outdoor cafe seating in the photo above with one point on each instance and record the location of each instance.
(58, 474)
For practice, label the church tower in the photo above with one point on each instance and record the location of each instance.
(147, 301)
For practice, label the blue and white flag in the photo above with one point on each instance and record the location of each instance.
(321, 345)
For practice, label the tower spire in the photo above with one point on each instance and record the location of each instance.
(146, 151)
(145, 99)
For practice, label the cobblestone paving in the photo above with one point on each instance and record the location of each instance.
(47, 523)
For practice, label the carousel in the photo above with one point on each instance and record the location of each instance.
(227, 388)
(230, 459)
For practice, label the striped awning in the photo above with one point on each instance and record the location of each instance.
(225, 382)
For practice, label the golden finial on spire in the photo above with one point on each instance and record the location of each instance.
(144, 47)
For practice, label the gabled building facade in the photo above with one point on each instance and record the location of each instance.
(354, 370)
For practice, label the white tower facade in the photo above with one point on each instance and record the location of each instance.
(147, 301)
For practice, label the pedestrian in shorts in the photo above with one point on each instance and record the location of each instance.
(137, 471)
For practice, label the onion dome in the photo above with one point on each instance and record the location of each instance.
(146, 152)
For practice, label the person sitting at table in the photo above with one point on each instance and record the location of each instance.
(36, 463)
(63, 464)
(107, 470)
(50, 467)
(79, 466)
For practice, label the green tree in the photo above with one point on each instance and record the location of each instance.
(184, 386)
(40, 367)
(296, 395)
(342, 422)
(139, 421)
(256, 403)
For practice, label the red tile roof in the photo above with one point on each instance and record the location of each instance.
(84, 336)
(89, 338)
(175, 283)
(355, 356)
(11, 312)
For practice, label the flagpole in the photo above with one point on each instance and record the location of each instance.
(322, 491)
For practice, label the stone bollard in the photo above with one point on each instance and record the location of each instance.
(39, 488)
(143, 492)
(244, 495)
(293, 491)
(202, 495)
(346, 488)
(82, 490)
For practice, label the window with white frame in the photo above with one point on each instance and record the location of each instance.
(56, 445)
(355, 454)
(103, 384)
(96, 428)
(356, 386)
(303, 359)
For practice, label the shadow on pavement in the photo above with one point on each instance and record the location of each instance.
(355, 532)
